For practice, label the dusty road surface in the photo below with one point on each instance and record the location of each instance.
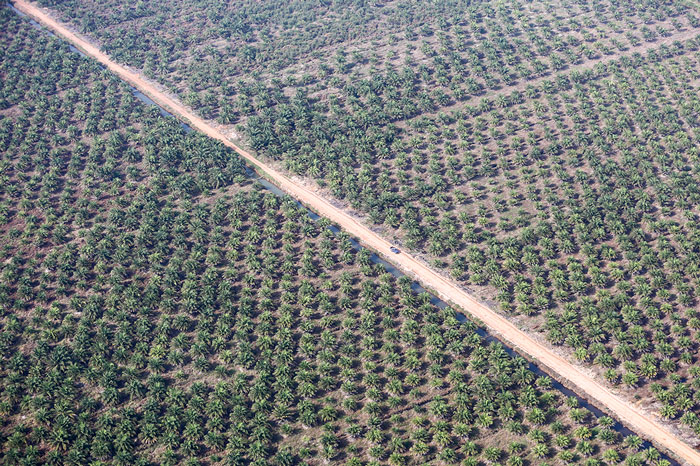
(645, 426)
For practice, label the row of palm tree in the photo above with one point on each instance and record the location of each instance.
(570, 199)
(149, 315)
(458, 49)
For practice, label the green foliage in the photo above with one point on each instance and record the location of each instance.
(156, 307)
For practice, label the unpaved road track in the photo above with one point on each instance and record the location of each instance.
(572, 375)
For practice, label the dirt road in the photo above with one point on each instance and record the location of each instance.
(575, 377)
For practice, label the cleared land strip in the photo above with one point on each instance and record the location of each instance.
(567, 372)
(585, 64)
